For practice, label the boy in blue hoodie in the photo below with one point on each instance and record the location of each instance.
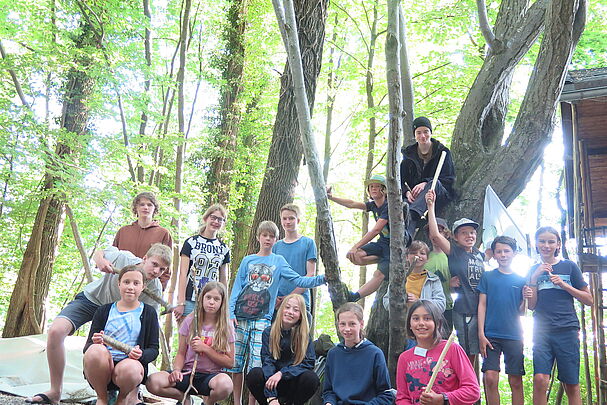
(253, 298)
(356, 371)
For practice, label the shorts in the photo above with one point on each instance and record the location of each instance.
(380, 249)
(79, 311)
(467, 332)
(562, 345)
(200, 383)
(513, 356)
(188, 307)
(248, 344)
(111, 386)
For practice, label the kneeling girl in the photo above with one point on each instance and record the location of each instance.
(132, 323)
(287, 356)
(212, 345)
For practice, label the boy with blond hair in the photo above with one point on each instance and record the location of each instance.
(253, 298)
(298, 250)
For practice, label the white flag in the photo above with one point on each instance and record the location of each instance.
(497, 221)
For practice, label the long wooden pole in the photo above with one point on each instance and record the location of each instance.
(438, 364)
(441, 161)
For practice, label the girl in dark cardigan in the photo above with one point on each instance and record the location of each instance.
(128, 321)
(287, 356)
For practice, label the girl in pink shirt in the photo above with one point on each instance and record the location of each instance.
(456, 383)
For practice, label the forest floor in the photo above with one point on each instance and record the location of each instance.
(9, 399)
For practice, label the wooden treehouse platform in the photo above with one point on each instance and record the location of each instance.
(584, 120)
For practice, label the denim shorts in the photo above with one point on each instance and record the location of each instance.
(79, 311)
(201, 383)
(562, 346)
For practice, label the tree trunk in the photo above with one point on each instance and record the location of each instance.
(398, 309)
(222, 164)
(26, 310)
(405, 77)
(480, 155)
(179, 156)
(328, 247)
(286, 150)
(369, 87)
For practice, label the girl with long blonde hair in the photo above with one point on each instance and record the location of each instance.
(209, 349)
(287, 356)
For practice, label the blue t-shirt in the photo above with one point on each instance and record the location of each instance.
(124, 327)
(380, 213)
(504, 296)
(297, 255)
(554, 308)
(256, 285)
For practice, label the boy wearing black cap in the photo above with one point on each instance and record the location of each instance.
(466, 267)
(417, 169)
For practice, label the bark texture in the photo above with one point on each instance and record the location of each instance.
(480, 154)
(286, 149)
(25, 315)
(232, 64)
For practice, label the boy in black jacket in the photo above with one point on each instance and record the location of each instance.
(417, 169)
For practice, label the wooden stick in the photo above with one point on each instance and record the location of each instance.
(439, 167)
(441, 161)
(116, 344)
(437, 366)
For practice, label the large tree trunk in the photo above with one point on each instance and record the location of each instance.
(222, 164)
(25, 315)
(328, 247)
(286, 149)
(480, 155)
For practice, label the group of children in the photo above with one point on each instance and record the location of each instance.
(264, 323)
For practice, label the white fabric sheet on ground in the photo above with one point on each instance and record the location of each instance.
(24, 368)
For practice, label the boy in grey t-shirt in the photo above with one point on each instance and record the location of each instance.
(101, 291)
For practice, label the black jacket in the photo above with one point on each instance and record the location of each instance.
(148, 336)
(413, 171)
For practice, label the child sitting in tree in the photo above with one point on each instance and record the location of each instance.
(212, 345)
(420, 283)
(365, 251)
(132, 323)
(499, 327)
(253, 298)
(356, 371)
(287, 355)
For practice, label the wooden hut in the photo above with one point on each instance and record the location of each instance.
(584, 120)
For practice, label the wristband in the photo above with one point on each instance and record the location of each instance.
(532, 285)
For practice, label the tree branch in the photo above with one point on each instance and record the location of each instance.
(15, 80)
(483, 22)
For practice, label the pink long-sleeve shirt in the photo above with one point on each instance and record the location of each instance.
(456, 377)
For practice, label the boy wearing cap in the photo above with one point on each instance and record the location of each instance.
(365, 251)
(466, 267)
(438, 264)
(417, 169)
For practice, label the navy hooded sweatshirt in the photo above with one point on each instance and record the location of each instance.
(357, 375)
